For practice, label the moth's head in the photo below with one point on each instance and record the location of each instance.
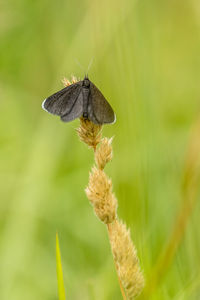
(86, 82)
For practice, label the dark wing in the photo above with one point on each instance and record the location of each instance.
(76, 110)
(99, 110)
(62, 102)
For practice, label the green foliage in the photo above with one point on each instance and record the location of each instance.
(146, 62)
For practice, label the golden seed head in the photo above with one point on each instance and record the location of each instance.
(74, 79)
(67, 82)
(126, 260)
(89, 133)
(99, 192)
(104, 153)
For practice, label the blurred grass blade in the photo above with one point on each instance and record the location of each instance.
(61, 288)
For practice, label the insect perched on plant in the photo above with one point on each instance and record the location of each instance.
(80, 99)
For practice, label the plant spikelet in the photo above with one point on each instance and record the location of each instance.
(89, 133)
(67, 82)
(126, 260)
(99, 192)
(104, 153)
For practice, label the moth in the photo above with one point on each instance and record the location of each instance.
(80, 99)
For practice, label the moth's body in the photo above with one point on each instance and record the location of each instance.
(86, 92)
(81, 99)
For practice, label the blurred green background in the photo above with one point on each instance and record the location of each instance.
(146, 62)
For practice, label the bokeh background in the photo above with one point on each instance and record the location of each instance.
(146, 61)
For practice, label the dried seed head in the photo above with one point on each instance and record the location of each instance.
(89, 133)
(74, 79)
(99, 192)
(104, 153)
(67, 82)
(126, 260)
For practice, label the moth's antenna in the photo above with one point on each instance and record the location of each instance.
(78, 63)
(90, 64)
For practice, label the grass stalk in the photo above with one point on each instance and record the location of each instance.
(99, 193)
(190, 185)
(61, 288)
